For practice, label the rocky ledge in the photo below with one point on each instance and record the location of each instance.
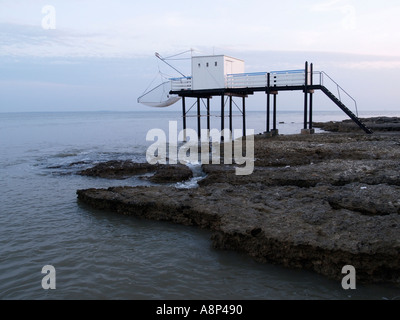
(123, 169)
(317, 202)
(376, 124)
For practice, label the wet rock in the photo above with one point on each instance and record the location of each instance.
(367, 199)
(289, 230)
(380, 124)
(335, 172)
(172, 173)
(117, 169)
(318, 202)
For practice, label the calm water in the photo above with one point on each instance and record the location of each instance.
(101, 255)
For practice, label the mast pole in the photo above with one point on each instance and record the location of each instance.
(163, 60)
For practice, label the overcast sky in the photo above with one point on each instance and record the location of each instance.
(99, 55)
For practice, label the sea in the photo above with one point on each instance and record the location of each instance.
(102, 255)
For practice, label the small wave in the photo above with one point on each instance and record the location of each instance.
(198, 174)
(66, 154)
(190, 184)
(72, 161)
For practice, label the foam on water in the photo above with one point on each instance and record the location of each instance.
(198, 175)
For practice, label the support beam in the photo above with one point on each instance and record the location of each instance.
(244, 116)
(274, 130)
(208, 115)
(222, 115)
(184, 118)
(268, 103)
(310, 121)
(230, 114)
(198, 119)
(268, 112)
(274, 115)
(306, 96)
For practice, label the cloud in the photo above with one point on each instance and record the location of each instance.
(27, 40)
(348, 12)
(372, 65)
(327, 5)
(127, 30)
(40, 84)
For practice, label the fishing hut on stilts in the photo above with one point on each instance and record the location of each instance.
(225, 78)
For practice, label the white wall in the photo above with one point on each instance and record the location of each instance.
(233, 65)
(208, 72)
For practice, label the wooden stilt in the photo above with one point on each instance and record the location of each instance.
(274, 112)
(184, 118)
(268, 103)
(310, 124)
(222, 115)
(244, 116)
(230, 114)
(306, 96)
(208, 115)
(198, 119)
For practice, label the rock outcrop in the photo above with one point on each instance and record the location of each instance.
(318, 202)
(380, 124)
(123, 169)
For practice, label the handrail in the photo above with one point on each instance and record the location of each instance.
(260, 79)
(321, 79)
(183, 83)
(288, 71)
(180, 78)
(246, 74)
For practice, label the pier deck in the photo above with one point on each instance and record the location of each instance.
(245, 84)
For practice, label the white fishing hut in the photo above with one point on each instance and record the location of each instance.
(210, 72)
(224, 76)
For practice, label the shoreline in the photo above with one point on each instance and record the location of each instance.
(317, 202)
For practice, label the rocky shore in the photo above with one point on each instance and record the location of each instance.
(124, 169)
(380, 124)
(317, 202)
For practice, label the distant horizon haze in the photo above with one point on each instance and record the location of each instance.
(97, 55)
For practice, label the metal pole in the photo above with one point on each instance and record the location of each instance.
(311, 98)
(244, 116)
(184, 118)
(208, 115)
(305, 96)
(274, 116)
(230, 114)
(163, 60)
(198, 119)
(268, 103)
(222, 116)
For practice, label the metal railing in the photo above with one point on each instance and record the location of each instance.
(249, 80)
(178, 84)
(277, 79)
(246, 80)
(287, 78)
(322, 76)
(260, 79)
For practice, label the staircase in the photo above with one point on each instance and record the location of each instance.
(346, 110)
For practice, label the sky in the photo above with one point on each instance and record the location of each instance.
(86, 55)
